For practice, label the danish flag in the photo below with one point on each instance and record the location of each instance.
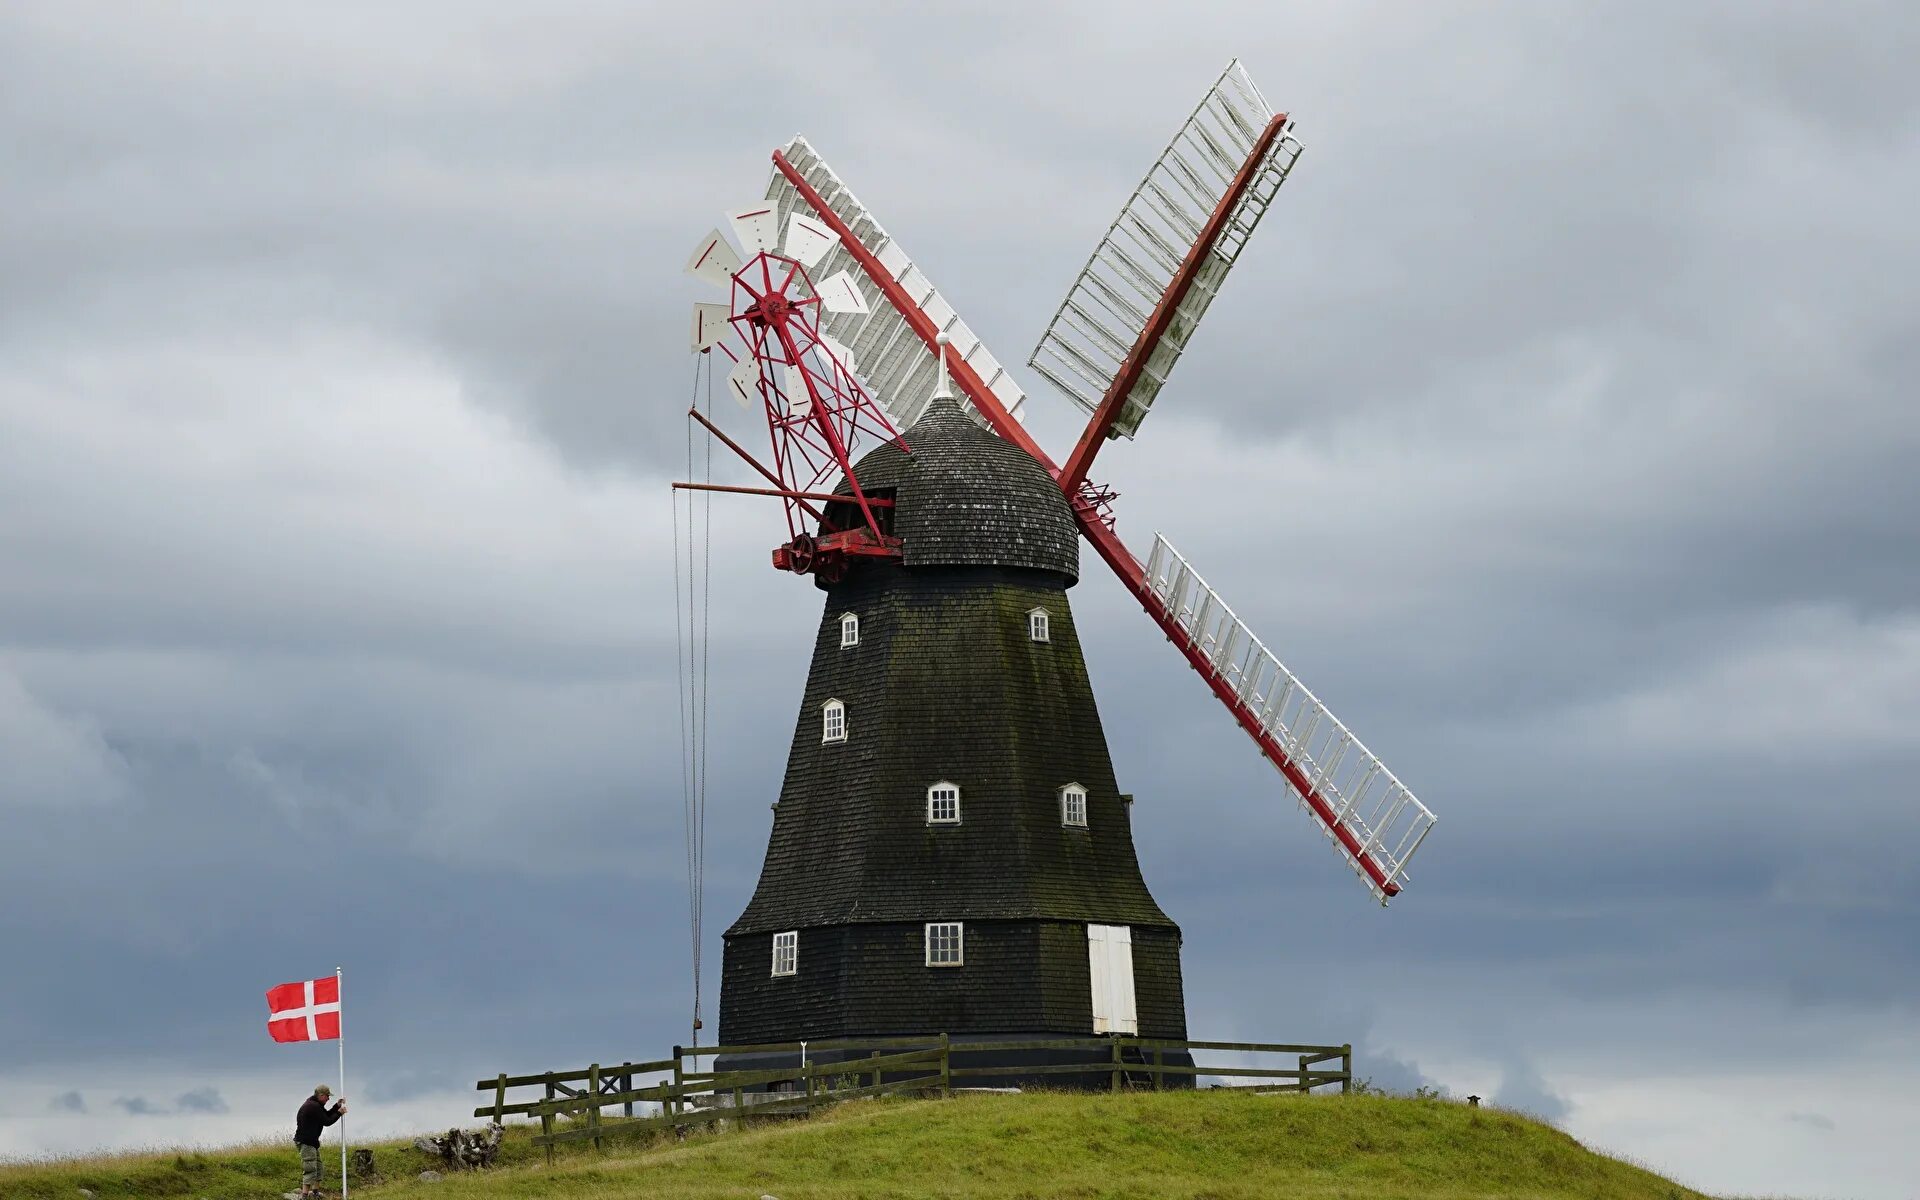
(304, 1012)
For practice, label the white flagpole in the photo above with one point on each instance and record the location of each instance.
(341, 995)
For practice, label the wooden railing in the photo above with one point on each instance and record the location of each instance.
(850, 1068)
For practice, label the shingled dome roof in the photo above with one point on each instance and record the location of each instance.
(967, 497)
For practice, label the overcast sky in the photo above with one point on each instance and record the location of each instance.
(1557, 428)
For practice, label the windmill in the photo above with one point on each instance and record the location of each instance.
(949, 800)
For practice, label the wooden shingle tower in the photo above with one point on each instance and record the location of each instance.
(950, 852)
(950, 827)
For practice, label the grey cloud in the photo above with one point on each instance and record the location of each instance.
(1813, 1120)
(72, 1102)
(406, 1085)
(49, 758)
(1389, 1072)
(1522, 1089)
(1563, 396)
(202, 1100)
(136, 1106)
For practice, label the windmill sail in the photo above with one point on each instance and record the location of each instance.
(1110, 330)
(1110, 347)
(1373, 818)
(896, 366)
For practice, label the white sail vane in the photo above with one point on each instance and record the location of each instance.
(1362, 798)
(808, 240)
(1108, 309)
(713, 260)
(711, 322)
(895, 364)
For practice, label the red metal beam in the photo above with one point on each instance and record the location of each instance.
(750, 460)
(1108, 545)
(1111, 404)
(822, 416)
(747, 491)
(964, 376)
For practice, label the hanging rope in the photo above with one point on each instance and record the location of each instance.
(680, 695)
(692, 612)
(706, 625)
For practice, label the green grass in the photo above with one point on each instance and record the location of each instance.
(1182, 1145)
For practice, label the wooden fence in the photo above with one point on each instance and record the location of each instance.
(689, 1097)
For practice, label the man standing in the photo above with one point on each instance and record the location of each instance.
(314, 1116)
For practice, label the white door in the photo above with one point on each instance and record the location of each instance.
(1110, 964)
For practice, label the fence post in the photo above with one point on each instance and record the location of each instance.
(1300, 1085)
(672, 1103)
(1159, 1069)
(1346, 1068)
(593, 1106)
(946, 1066)
(1116, 1066)
(876, 1070)
(546, 1120)
(626, 1085)
(500, 1100)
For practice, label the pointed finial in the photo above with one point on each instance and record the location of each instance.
(941, 391)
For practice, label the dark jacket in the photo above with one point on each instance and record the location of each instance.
(313, 1117)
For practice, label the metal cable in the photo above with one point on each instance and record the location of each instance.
(681, 636)
(686, 647)
(706, 642)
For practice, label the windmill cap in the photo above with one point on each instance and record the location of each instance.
(967, 497)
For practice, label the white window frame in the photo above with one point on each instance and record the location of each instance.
(832, 730)
(1068, 795)
(1039, 625)
(849, 630)
(933, 815)
(959, 929)
(786, 953)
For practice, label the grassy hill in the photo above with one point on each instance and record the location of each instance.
(1191, 1145)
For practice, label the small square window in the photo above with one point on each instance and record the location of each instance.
(945, 944)
(849, 630)
(1073, 805)
(786, 953)
(943, 804)
(1037, 625)
(833, 721)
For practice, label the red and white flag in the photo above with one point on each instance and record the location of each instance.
(304, 1012)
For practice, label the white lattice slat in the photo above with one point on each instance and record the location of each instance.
(1109, 306)
(1383, 818)
(897, 367)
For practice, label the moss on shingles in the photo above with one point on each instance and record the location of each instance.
(946, 684)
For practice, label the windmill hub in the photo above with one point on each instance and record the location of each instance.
(770, 310)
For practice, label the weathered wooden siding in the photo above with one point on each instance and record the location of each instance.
(946, 684)
(870, 981)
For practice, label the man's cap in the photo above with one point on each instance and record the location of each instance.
(323, 1090)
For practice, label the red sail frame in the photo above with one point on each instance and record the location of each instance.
(813, 437)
